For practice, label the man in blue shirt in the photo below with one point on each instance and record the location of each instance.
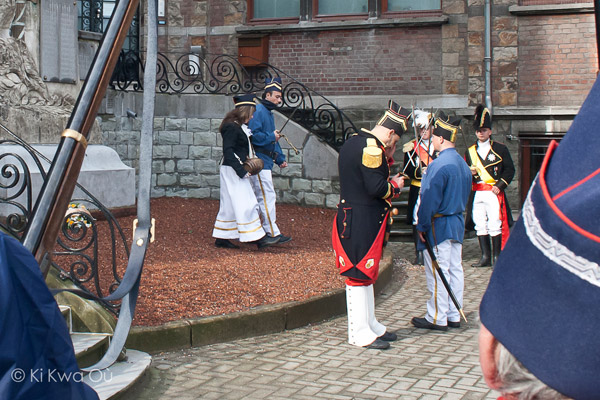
(265, 141)
(445, 190)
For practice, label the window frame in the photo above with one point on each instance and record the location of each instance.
(269, 21)
(416, 13)
(337, 17)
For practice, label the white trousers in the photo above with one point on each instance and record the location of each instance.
(238, 216)
(363, 327)
(486, 213)
(265, 195)
(440, 308)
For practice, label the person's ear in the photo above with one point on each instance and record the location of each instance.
(488, 351)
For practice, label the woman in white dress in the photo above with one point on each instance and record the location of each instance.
(238, 216)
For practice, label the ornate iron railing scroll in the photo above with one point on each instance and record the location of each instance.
(193, 73)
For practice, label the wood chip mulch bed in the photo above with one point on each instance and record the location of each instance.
(185, 276)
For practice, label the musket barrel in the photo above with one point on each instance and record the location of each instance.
(54, 197)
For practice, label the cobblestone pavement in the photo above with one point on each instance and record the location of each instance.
(316, 362)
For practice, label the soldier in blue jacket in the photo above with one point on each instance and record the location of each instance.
(265, 141)
(445, 190)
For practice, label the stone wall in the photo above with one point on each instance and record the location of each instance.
(188, 150)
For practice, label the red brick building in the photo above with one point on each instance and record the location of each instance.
(428, 53)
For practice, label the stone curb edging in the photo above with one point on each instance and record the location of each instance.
(261, 320)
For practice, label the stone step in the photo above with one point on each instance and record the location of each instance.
(115, 380)
(89, 347)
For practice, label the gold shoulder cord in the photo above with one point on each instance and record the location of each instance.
(70, 133)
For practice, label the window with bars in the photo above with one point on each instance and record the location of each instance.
(94, 16)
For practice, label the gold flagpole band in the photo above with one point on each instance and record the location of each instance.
(75, 135)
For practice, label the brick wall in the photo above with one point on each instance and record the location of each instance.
(557, 59)
(362, 61)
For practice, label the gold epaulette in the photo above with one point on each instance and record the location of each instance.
(408, 146)
(372, 154)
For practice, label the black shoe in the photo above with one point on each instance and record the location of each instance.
(267, 241)
(453, 324)
(388, 337)
(378, 345)
(226, 244)
(424, 324)
(283, 238)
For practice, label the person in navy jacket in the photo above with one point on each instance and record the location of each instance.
(265, 139)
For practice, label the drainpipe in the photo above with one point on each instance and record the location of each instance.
(597, 15)
(487, 14)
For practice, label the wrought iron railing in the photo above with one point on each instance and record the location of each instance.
(223, 74)
(89, 229)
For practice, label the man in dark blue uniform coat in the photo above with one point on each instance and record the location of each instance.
(359, 228)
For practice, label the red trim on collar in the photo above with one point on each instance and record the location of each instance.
(581, 182)
(550, 200)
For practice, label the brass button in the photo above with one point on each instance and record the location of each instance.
(342, 236)
(343, 201)
(345, 224)
(383, 215)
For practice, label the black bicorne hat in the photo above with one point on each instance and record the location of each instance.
(446, 126)
(483, 118)
(395, 117)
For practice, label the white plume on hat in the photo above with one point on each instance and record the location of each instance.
(422, 118)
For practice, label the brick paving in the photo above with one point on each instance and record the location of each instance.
(315, 362)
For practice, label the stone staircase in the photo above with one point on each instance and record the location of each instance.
(89, 349)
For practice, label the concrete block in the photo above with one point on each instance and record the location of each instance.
(260, 321)
(168, 137)
(170, 336)
(175, 124)
(205, 139)
(158, 166)
(185, 166)
(198, 125)
(323, 186)
(190, 180)
(301, 185)
(292, 198)
(166, 179)
(205, 166)
(294, 170)
(162, 151)
(199, 193)
(314, 199)
(200, 152)
(180, 151)
(159, 124)
(316, 309)
(215, 193)
(332, 200)
(281, 183)
(186, 138)
(170, 166)
(211, 181)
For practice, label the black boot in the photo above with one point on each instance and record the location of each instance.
(484, 243)
(226, 244)
(418, 254)
(496, 247)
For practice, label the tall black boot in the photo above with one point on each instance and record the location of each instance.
(484, 243)
(496, 247)
(418, 254)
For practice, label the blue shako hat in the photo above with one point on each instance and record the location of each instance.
(244, 100)
(542, 299)
(273, 84)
